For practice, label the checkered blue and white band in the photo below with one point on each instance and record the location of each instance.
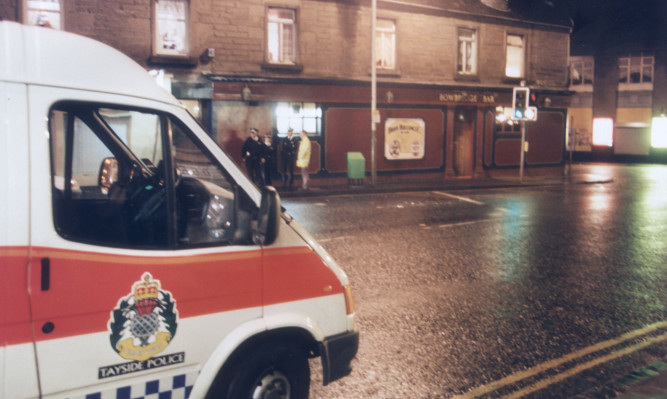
(172, 387)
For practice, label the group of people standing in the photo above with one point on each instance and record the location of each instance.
(260, 157)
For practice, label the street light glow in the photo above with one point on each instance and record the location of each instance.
(659, 132)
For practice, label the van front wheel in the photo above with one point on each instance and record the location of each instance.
(275, 370)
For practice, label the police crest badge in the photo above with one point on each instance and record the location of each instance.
(144, 322)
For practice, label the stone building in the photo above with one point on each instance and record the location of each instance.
(618, 74)
(445, 71)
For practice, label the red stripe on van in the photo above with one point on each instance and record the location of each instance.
(14, 302)
(85, 287)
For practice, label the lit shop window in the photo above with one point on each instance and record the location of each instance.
(281, 35)
(581, 71)
(298, 116)
(603, 132)
(47, 13)
(467, 62)
(514, 56)
(171, 27)
(659, 132)
(385, 44)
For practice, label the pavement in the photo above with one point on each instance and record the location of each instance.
(341, 186)
(649, 382)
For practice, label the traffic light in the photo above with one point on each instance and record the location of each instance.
(524, 105)
(520, 102)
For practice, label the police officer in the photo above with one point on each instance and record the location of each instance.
(251, 152)
(288, 155)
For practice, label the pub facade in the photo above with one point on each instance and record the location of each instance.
(446, 70)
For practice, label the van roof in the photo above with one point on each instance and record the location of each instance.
(43, 56)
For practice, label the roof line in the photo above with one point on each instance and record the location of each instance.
(469, 14)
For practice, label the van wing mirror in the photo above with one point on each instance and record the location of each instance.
(108, 174)
(268, 217)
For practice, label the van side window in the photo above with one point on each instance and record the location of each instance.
(128, 189)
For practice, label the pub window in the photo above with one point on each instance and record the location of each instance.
(281, 36)
(46, 13)
(171, 27)
(635, 70)
(385, 44)
(298, 116)
(467, 57)
(515, 53)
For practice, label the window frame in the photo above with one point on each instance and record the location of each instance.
(587, 72)
(315, 113)
(474, 51)
(386, 63)
(628, 85)
(522, 64)
(27, 9)
(281, 22)
(97, 122)
(156, 29)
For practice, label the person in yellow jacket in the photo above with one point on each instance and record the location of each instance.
(303, 159)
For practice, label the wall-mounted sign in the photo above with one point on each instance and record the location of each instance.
(404, 138)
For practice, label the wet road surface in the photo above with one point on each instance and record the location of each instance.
(544, 292)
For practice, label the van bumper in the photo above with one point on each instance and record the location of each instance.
(337, 353)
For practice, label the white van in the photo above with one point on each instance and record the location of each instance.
(136, 259)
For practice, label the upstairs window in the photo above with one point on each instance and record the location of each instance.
(171, 27)
(281, 36)
(514, 56)
(581, 71)
(385, 44)
(636, 72)
(46, 13)
(467, 57)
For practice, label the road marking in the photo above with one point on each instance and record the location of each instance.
(465, 199)
(516, 377)
(333, 238)
(585, 366)
(443, 226)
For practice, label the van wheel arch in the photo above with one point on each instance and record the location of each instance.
(283, 352)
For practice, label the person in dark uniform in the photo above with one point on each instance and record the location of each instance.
(252, 152)
(268, 158)
(288, 155)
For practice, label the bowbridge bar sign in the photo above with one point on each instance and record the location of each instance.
(404, 138)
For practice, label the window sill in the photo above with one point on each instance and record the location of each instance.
(466, 78)
(283, 67)
(389, 73)
(587, 88)
(635, 87)
(180, 60)
(512, 80)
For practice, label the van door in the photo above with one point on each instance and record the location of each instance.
(144, 262)
(17, 357)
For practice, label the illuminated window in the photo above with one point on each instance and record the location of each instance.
(659, 132)
(603, 132)
(467, 62)
(581, 71)
(514, 56)
(298, 116)
(281, 36)
(171, 27)
(635, 70)
(385, 44)
(47, 13)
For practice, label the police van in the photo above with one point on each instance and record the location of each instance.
(136, 258)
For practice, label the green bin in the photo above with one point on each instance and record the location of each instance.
(356, 166)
